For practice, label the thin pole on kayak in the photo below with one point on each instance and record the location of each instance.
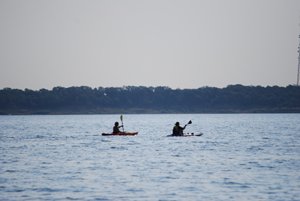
(121, 117)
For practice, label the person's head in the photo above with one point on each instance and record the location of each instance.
(116, 123)
(177, 123)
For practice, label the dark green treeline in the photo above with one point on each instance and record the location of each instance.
(131, 99)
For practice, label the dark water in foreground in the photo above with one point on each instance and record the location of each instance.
(239, 157)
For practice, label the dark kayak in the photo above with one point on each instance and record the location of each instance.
(120, 134)
(186, 135)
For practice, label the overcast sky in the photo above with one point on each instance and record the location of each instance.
(175, 43)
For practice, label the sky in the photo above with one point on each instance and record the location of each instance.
(174, 43)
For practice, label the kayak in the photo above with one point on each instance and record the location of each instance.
(186, 135)
(120, 134)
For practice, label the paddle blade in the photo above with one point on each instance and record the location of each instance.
(121, 117)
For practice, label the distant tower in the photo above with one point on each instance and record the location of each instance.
(298, 74)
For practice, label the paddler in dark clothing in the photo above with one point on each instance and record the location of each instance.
(116, 128)
(178, 130)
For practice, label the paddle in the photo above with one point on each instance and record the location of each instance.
(190, 122)
(121, 117)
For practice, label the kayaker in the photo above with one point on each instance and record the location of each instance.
(177, 129)
(116, 127)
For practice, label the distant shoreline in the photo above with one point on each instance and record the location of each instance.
(233, 99)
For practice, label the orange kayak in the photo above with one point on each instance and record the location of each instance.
(120, 134)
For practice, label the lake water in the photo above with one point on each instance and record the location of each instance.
(64, 157)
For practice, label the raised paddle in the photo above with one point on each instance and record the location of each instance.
(192, 134)
(121, 117)
(190, 122)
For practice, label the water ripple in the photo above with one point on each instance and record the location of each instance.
(239, 157)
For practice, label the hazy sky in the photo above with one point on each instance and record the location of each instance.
(175, 43)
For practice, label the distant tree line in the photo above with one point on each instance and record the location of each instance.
(139, 99)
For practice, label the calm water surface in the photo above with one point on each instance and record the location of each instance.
(239, 157)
